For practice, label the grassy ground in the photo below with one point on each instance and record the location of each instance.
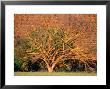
(54, 74)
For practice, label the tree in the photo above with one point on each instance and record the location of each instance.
(52, 46)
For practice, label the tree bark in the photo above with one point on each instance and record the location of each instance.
(50, 69)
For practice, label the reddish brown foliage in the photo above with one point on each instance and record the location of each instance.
(24, 23)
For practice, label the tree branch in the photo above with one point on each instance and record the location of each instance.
(60, 58)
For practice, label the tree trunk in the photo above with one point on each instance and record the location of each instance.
(50, 69)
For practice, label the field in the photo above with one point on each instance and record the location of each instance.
(55, 74)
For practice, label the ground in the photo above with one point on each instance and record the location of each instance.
(55, 74)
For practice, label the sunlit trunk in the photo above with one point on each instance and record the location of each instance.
(50, 69)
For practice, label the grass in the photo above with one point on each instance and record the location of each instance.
(55, 74)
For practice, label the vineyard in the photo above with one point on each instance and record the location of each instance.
(55, 43)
